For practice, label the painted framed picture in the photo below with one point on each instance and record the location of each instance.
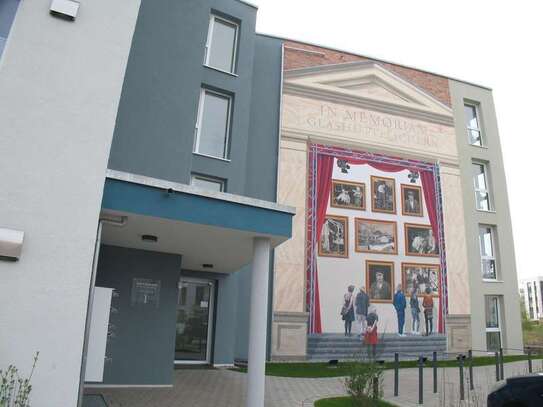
(412, 200)
(375, 236)
(420, 277)
(383, 194)
(335, 237)
(420, 241)
(380, 280)
(346, 194)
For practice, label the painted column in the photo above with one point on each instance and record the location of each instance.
(258, 322)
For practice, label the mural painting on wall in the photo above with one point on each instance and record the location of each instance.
(335, 237)
(420, 241)
(379, 249)
(383, 194)
(380, 280)
(411, 200)
(375, 236)
(419, 277)
(348, 195)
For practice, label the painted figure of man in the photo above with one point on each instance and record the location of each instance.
(362, 303)
(380, 289)
(382, 196)
(357, 194)
(400, 304)
(411, 204)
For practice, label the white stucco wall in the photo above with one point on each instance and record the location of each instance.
(60, 84)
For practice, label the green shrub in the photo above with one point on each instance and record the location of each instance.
(15, 390)
(361, 381)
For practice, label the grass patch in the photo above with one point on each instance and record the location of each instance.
(315, 370)
(347, 402)
(533, 333)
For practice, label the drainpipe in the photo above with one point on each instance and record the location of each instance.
(115, 222)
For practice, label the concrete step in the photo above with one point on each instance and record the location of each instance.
(337, 346)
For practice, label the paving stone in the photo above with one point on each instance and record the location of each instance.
(226, 388)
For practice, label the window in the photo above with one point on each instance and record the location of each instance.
(221, 45)
(488, 257)
(213, 124)
(209, 183)
(493, 323)
(536, 301)
(473, 125)
(482, 189)
(8, 9)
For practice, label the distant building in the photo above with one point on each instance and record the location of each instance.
(530, 291)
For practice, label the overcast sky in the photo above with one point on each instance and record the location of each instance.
(499, 45)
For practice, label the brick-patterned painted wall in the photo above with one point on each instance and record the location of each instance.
(300, 55)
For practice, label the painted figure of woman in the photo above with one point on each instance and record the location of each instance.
(347, 310)
(428, 305)
(415, 311)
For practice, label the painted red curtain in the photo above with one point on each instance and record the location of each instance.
(325, 167)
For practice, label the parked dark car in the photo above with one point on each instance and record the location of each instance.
(520, 391)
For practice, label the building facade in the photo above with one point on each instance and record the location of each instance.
(393, 172)
(192, 192)
(530, 291)
(148, 201)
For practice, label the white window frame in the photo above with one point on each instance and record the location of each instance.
(499, 328)
(207, 178)
(199, 118)
(479, 129)
(493, 257)
(487, 190)
(212, 19)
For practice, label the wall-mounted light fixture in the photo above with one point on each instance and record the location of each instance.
(66, 9)
(11, 244)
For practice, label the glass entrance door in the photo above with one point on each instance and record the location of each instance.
(194, 318)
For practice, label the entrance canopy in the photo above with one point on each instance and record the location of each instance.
(213, 231)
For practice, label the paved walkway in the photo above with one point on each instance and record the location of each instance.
(225, 388)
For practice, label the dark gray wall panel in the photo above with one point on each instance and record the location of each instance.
(155, 127)
(143, 350)
(263, 148)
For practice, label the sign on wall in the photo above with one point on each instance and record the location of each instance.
(145, 292)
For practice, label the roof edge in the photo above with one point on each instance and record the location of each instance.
(248, 3)
(189, 189)
(374, 58)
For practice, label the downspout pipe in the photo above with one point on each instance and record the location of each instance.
(103, 220)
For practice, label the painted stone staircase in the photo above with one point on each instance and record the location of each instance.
(326, 347)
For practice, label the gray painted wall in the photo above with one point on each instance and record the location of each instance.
(507, 286)
(142, 351)
(263, 149)
(154, 134)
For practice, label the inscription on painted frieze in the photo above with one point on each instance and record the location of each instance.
(372, 125)
(314, 117)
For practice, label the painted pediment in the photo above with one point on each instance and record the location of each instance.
(368, 84)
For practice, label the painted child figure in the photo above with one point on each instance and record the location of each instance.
(371, 338)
